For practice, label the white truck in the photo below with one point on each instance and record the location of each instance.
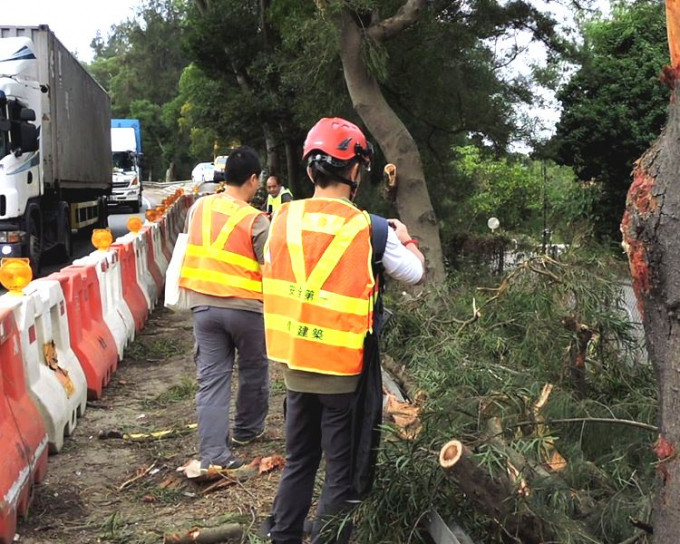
(55, 146)
(126, 147)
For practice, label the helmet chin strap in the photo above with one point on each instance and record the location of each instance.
(353, 184)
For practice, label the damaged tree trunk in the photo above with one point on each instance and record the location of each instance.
(495, 496)
(399, 147)
(650, 229)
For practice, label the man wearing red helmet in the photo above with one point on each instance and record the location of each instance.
(320, 296)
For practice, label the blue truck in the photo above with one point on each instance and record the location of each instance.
(126, 148)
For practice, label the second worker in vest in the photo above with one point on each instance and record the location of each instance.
(319, 296)
(277, 194)
(221, 270)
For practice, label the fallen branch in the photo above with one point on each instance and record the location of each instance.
(207, 535)
(632, 423)
(141, 437)
(401, 375)
(140, 474)
(496, 496)
(225, 477)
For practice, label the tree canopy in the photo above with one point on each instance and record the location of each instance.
(614, 105)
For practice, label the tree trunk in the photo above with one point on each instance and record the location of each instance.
(293, 181)
(650, 236)
(413, 200)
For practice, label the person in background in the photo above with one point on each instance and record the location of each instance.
(319, 295)
(221, 271)
(277, 194)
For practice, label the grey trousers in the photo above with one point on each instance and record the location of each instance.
(220, 333)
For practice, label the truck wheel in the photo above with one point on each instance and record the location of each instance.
(103, 219)
(65, 247)
(34, 246)
(136, 206)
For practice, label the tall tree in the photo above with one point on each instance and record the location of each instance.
(397, 144)
(140, 64)
(650, 234)
(614, 106)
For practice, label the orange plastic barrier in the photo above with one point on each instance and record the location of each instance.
(91, 339)
(23, 444)
(132, 292)
(154, 269)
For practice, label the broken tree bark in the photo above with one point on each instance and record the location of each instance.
(494, 496)
(650, 236)
(578, 352)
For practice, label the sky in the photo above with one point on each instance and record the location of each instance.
(75, 22)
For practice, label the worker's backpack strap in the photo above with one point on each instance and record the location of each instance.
(379, 229)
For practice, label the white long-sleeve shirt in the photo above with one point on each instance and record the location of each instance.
(400, 263)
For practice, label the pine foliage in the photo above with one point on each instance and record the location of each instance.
(483, 355)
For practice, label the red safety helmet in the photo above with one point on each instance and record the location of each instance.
(337, 142)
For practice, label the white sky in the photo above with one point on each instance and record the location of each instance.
(75, 22)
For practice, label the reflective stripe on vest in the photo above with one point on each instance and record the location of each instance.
(318, 286)
(275, 201)
(220, 260)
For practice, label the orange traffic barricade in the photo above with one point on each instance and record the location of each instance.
(91, 339)
(132, 292)
(23, 448)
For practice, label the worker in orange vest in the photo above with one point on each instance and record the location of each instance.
(320, 295)
(221, 271)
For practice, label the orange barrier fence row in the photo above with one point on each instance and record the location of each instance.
(62, 337)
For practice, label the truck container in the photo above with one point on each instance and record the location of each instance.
(126, 147)
(55, 145)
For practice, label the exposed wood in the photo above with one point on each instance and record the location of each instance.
(495, 496)
(673, 27)
(231, 532)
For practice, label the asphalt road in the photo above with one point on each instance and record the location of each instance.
(118, 217)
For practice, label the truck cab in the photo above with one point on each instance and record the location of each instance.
(55, 148)
(126, 151)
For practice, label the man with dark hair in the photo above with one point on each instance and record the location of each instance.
(277, 194)
(320, 294)
(221, 271)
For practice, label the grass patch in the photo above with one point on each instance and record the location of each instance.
(157, 349)
(185, 390)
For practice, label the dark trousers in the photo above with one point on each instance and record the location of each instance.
(315, 424)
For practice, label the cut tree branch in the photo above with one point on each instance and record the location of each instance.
(495, 496)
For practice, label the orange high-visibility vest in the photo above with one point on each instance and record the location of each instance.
(220, 260)
(318, 286)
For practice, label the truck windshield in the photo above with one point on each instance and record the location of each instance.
(123, 161)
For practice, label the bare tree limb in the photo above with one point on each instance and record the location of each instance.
(407, 15)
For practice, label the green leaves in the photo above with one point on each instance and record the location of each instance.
(483, 378)
(614, 106)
